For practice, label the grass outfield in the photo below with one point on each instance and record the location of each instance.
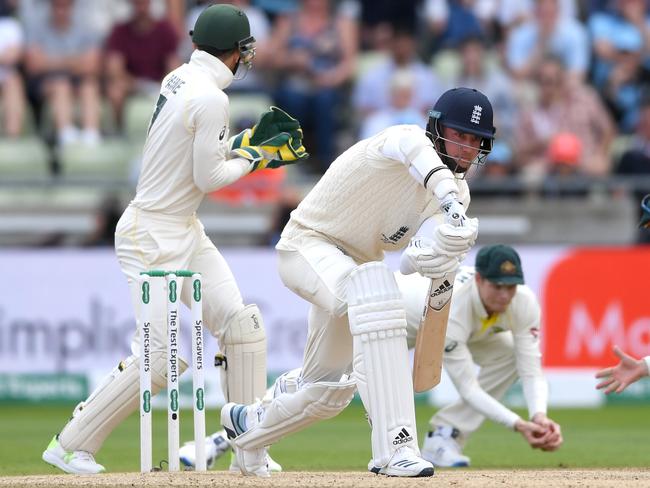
(615, 436)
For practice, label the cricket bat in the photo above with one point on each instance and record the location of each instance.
(430, 341)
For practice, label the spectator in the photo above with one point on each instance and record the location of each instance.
(139, 52)
(635, 161)
(314, 53)
(621, 49)
(400, 110)
(11, 84)
(451, 21)
(62, 63)
(489, 78)
(379, 18)
(373, 93)
(563, 106)
(548, 33)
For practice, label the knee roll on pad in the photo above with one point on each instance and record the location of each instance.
(291, 412)
(111, 402)
(380, 358)
(243, 362)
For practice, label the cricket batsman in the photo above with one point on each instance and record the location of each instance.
(187, 154)
(402, 189)
(494, 323)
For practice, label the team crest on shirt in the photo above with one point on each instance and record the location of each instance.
(222, 134)
(395, 237)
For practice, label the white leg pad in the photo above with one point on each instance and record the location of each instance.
(380, 359)
(291, 412)
(243, 362)
(112, 401)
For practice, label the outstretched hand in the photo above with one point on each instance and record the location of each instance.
(619, 377)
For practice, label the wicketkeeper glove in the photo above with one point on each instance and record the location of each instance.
(277, 151)
(272, 123)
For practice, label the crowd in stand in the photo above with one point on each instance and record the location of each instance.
(568, 78)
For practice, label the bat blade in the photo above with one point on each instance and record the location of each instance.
(430, 341)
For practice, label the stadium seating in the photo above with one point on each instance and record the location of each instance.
(26, 158)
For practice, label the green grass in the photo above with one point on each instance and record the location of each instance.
(615, 436)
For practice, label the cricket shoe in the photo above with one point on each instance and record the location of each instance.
(404, 463)
(272, 465)
(75, 462)
(216, 445)
(237, 419)
(441, 448)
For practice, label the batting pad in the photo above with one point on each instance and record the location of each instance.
(111, 402)
(380, 359)
(291, 412)
(243, 363)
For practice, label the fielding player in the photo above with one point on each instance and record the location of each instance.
(629, 369)
(493, 323)
(187, 154)
(373, 198)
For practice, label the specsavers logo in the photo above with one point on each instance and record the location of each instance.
(592, 300)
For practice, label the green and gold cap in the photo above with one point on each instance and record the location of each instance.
(223, 27)
(500, 264)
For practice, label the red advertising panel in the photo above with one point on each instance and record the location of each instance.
(593, 299)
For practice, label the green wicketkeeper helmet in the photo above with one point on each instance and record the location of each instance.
(223, 27)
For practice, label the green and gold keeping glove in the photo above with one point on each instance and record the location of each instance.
(275, 141)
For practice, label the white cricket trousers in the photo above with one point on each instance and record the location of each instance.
(496, 357)
(318, 271)
(147, 240)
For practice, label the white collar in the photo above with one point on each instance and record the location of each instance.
(212, 65)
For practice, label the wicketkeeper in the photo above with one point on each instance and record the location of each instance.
(372, 199)
(187, 154)
(494, 323)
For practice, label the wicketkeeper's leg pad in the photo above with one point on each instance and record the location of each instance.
(290, 412)
(243, 360)
(381, 362)
(111, 402)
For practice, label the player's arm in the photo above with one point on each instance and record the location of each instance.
(526, 314)
(626, 372)
(213, 169)
(410, 146)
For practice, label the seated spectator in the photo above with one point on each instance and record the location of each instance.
(635, 160)
(314, 53)
(139, 53)
(615, 31)
(451, 21)
(564, 177)
(400, 111)
(378, 19)
(62, 63)
(11, 83)
(372, 93)
(548, 33)
(563, 106)
(491, 79)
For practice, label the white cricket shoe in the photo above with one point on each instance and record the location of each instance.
(405, 463)
(216, 445)
(274, 467)
(76, 462)
(440, 447)
(237, 419)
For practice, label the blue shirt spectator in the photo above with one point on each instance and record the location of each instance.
(548, 33)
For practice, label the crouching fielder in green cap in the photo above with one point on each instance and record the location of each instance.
(493, 323)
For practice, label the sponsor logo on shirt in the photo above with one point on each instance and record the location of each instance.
(394, 238)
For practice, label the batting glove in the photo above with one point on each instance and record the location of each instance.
(423, 257)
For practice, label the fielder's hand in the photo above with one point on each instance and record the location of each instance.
(423, 257)
(619, 377)
(535, 435)
(553, 432)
